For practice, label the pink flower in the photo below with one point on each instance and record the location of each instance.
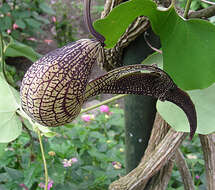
(87, 117)
(24, 186)
(50, 183)
(54, 19)
(15, 26)
(117, 165)
(48, 41)
(32, 39)
(197, 177)
(8, 31)
(74, 160)
(68, 163)
(104, 109)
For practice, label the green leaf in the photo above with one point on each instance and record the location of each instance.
(2, 149)
(46, 8)
(5, 8)
(15, 49)
(188, 53)
(187, 45)
(10, 124)
(40, 18)
(14, 174)
(155, 58)
(204, 103)
(33, 23)
(8, 102)
(118, 20)
(21, 23)
(7, 22)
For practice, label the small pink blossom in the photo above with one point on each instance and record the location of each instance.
(50, 184)
(87, 117)
(15, 26)
(74, 160)
(48, 41)
(32, 39)
(104, 109)
(54, 19)
(197, 177)
(24, 186)
(8, 31)
(117, 165)
(68, 163)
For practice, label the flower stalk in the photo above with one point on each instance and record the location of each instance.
(44, 160)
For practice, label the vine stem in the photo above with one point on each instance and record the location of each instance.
(187, 8)
(2, 55)
(102, 103)
(44, 159)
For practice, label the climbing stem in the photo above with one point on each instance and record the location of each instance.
(44, 159)
(187, 8)
(2, 56)
(2, 60)
(104, 102)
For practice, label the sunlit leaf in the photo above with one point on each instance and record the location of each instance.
(10, 124)
(204, 102)
(46, 8)
(8, 102)
(16, 49)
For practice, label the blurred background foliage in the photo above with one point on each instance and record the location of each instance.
(89, 153)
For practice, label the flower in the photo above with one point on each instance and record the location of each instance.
(15, 26)
(87, 117)
(48, 41)
(54, 19)
(197, 177)
(32, 39)
(50, 183)
(24, 186)
(51, 153)
(104, 109)
(68, 163)
(8, 31)
(121, 150)
(191, 156)
(117, 165)
(74, 160)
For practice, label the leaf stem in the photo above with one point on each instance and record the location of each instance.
(2, 56)
(187, 8)
(104, 102)
(2, 60)
(44, 159)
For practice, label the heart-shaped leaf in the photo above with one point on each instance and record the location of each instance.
(10, 124)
